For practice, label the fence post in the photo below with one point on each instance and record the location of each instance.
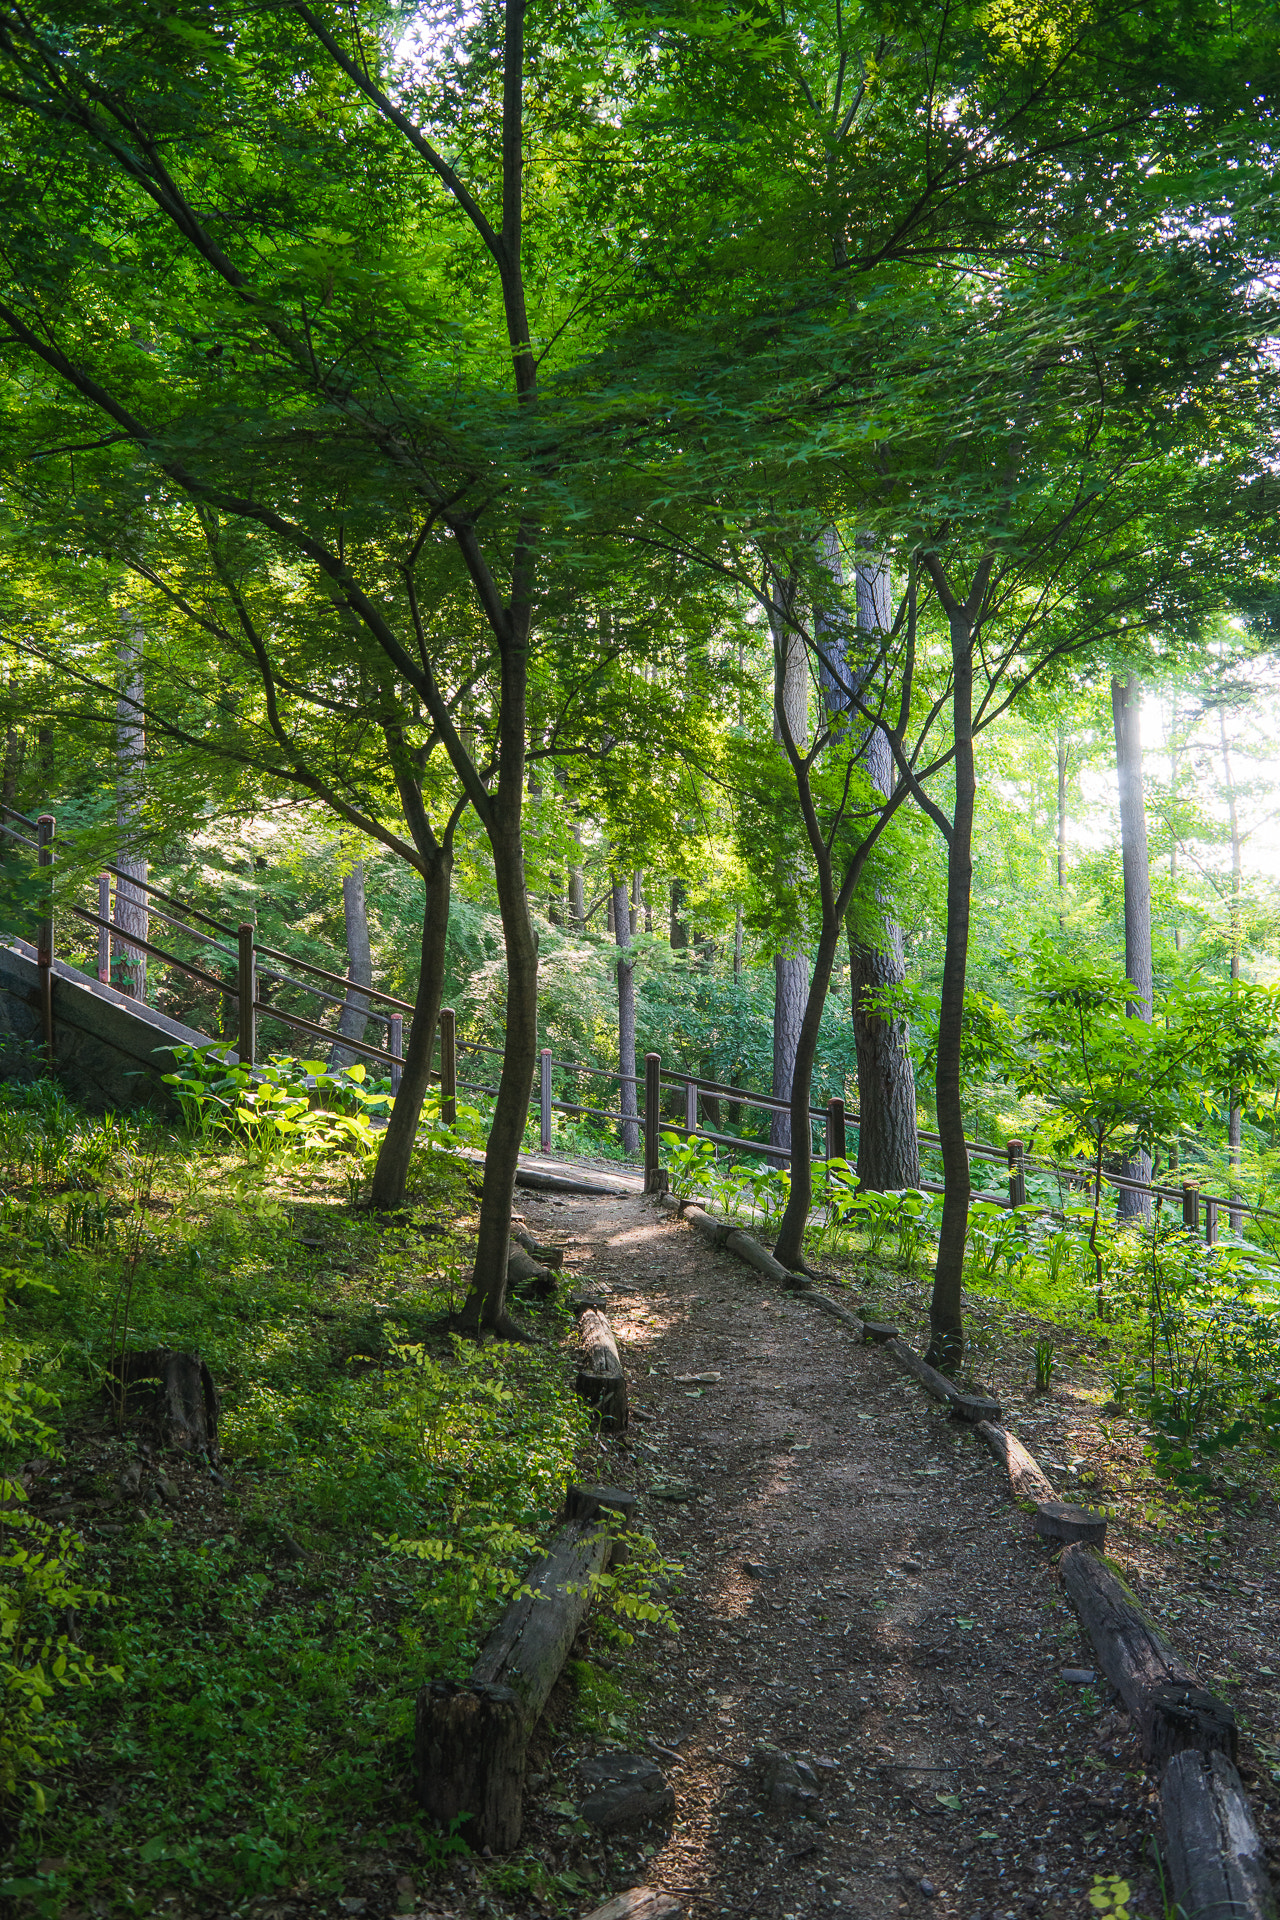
(835, 1129)
(448, 1067)
(544, 1096)
(45, 829)
(1210, 1221)
(247, 987)
(652, 1119)
(1017, 1178)
(104, 933)
(395, 1047)
(691, 1106)
(1191, 1206)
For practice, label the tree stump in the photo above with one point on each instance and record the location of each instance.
(1057, 1520)
(178, 1398)
(601, 1381)
(1215, 1858)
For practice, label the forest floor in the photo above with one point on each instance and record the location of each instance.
(860, 1592)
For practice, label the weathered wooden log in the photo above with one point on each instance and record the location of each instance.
(601, 1381)
(527, 1277)
(877, 1332)
(547, 1255)
(1215, 1858)
(1059, 1520)
(638, 1903)
(750, 1250)
(826, 1305)
(937, 1383)
(1172, 1712)
(588, 1502)
(973, 1407)
(1027, 1480)
(470, 1741)
(178, 1398)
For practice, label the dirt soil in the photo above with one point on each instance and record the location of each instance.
(859, 1593)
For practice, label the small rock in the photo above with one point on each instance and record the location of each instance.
(352, 1903)
(1078, 1676)
(912, 1566)
(927, 1888)
(166, 1489)
(781, 1785)
(627, 1789)
(131, 1478)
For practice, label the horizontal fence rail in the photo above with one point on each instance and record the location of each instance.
(240, 948)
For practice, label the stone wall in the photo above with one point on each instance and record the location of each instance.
(108, 1051)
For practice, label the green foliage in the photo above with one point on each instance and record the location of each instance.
(1043, 1357)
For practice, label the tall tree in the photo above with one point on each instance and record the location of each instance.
(1126, 712)
(130, 963)
(354, 1018)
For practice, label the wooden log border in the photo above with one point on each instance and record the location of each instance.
(1216, 1861)
(471, 1741)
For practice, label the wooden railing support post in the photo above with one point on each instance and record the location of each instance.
(448, 1067)
(104, 933)
(691, 1106)
(544, 1097)
(835, 1129)
(395, 1047)
(1210, 1221)
(247, 988)
(652, 1119)
(1017, 1178)
(46, 828)
(1191, 1207)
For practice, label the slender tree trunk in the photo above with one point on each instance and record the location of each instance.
(577, 898)
(390, 1175)
(1126, 712)
(626, 1017)
(1064, 761)
(1237, 888)
(131, 917)
(353, 1020)
(636, 905)
(1173, 824)
(789, 1249)
(737, 941)
(946, 1323)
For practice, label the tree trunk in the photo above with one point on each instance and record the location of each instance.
(679, 925)
(1064, 761)
(626, 1017)
(1237, 885)
(1126, 713)
(946, 1325)
(391, 1172)
(577, 899)
(353, 1020)
(737, 941)
(130, 969)
(789, 1249)
(790, 968)
(888, 1143)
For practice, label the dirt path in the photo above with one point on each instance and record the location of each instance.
(860, 1593)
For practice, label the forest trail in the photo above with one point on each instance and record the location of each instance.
(861, 1594)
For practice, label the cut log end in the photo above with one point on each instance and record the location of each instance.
(972, 1407)
(469, 1759)
(1058, 1520)
(601, 1381)
(176, 1393)
(1180, 1718)
(877, 1332)
(585, 1503)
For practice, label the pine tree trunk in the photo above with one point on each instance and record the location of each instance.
(390, 1174)
(353, 1020)
(629, 1108)
(130, 969)
(790, 967)
(1126, 713)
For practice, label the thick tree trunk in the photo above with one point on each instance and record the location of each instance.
(946, 1325)
(1237, 887)
(679, 925)
(577, 899)
(1126, 713)
(353, 1020)
(130, 969)
(626, 1017)
(790, 967)
(1064, 761)
(888, 1143)
(391, 1172)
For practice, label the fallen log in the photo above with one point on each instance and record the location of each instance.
(601, 1381)
(527, 1277)
(1059, 1520)
(179, 1398)
(1027, 1480)
(548, 1256)
(470, 1741)
(1172, 1712)
(938, 1385)
(638, 1903)
(832, 1307)
(1215, 1858)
